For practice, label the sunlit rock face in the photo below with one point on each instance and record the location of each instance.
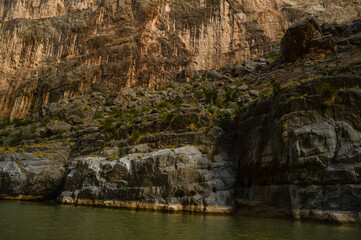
(54, 49)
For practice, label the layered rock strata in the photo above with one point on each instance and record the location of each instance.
(169, 180)
(25, 176)
(56, 49)
(300, 152)
(294, 150)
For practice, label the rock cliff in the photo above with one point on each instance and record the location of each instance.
(278, 135)
(300, 152)
(56, 49)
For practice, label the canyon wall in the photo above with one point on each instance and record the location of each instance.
(300, 155)
(258, 138)
(53, 49)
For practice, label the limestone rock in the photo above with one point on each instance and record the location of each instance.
(59, 49)
(27, 176)
(213, 74)
(238, 70)
(161, 179)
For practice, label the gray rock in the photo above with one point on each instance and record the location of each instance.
(253, 93)
(166, 176)
(25, 174)
(73, 119)
(125, 95)
(250, 66)
(244, 87)
(238, 70)
(213, 74)
(300, 153)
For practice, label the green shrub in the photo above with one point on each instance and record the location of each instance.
(4, 123)
(177, 101)
(330, 71)
(33, 129)
(213, 110)
(56, 115)
(46, 120)
(135, 136)
(230, 95)
(164, 105)
(273, 56)
(15, 140)
(167, 116)
(199, 95)
(276, 85)
(108, 124)
(133, 113)
(122, 152)
(117, 114)
(236, 109)
(98, 115)
(22, 122)
(326, 91)
(94, 88)
(192, 120)
(211, 96)
(4, 134)
(265, 94)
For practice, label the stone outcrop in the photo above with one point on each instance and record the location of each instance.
(182, 179)
(56, 49)
(300, 154)
(304, 38)
(25, 176)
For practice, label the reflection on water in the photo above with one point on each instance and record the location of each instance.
(43, 221)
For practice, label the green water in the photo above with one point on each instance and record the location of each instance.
(41, 221)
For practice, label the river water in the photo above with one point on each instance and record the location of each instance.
(47, 221)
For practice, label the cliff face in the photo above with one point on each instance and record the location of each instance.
(54, 49)
(263, 137)
(300, 153)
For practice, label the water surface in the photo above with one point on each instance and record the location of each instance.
(47, 221)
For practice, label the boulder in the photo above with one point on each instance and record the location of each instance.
(74, 119)
(213, 74)
(250, 66)
(238, 70)
(125, 95)
(296, 41)
(324, 44)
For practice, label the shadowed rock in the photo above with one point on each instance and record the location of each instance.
(297, 39)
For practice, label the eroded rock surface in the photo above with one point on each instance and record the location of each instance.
(261, 137)
(25, 176)
(182, 179)
(56, 49)
(300, 153)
